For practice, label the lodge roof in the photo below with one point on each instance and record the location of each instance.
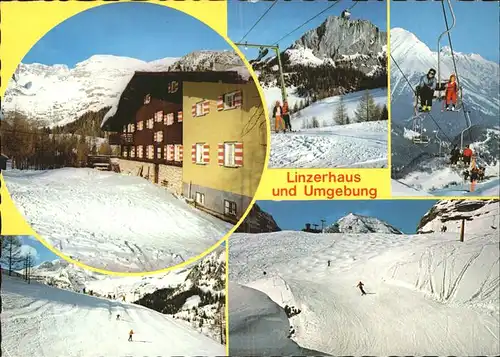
(149, 82)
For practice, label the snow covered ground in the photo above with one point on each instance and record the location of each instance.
(38, 320)
(331, 145)
(112, 221)
(446, 181)
(427, 294)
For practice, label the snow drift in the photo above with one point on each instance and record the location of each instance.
(111, 221)
(38, 320)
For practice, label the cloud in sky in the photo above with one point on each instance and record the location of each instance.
(27, 249)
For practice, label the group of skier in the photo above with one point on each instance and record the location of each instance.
(427, 86)
(472, 171)
(281, 115)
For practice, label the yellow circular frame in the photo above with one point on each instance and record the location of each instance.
(17, 40)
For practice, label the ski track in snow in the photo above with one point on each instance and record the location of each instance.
(353, 145)
(430, 293)
(112, 221)
(330, 145)
(38, 320)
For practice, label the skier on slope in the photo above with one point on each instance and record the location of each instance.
(131, 332)
(118, 317)
(278, 117)
(286, 116)
(360, 286)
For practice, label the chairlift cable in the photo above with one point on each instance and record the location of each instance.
(455, 67)
(260, 18)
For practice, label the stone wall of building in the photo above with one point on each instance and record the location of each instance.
(169, 177)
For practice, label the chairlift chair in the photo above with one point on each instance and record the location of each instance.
(419, 128)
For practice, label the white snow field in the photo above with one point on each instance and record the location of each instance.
(428, 294)
(112, 221)
(446, 181)
(38, 320)
(331, 145)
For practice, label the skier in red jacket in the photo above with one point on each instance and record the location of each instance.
(467, 155)
(451, 93)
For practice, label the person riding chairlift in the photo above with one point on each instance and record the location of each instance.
(451, 93)
(426, 89)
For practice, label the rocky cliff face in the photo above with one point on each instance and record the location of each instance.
(258, 221)
(480, 214)
(356, 43)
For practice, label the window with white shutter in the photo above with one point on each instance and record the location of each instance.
(230, 154)
(170, 118)
(199, 109)
(199, 153)
(170, 152)
(200, 198)
(178, 153)
(140, 152)
(229, 208)
(179, 117)
(158, 136)
(132, 151)
(140, 125)
(158, 153)
(231, 100)
(159, 116)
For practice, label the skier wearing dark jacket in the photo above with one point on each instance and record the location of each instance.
(455, 155)
(360, 286)
(286, 116)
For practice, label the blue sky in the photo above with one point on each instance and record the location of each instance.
(138, 30)
(286, 16)
(293, 215)
(476, 30)
(37, 249)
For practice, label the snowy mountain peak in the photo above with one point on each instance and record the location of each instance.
(356, 223)
(58, 95)
(337, 39)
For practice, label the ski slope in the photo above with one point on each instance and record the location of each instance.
(352, 145)
(112, 221)
(38, 320)
(427, 294)
(330, 145)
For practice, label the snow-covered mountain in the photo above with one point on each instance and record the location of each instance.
(356, 223)
(59, 95)
(39, 320)
(416, 164)
(429, 291)
(479, 215)
(192, 294)
(477, 76)
(340, 42)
